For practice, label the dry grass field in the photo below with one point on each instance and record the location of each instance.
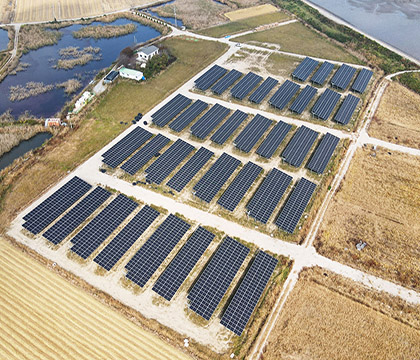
(47, 10)
(45, 317)
(379, 203)
(330, 317)
(250, 12)
(397, 119)
(6, 7)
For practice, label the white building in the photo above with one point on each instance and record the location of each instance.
(131, 74)
(82, 101)
(147, 52)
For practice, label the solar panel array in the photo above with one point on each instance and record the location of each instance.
(297, 149)
(76, 216)
(206, 124)
(168, 111)
(213, 283)
(304, 69)
(249, 136)
(151, 255)
(239, 186)
(343, 76)
(263, 90)
(325, 104)
(346, 110)
(295, 205)
(226, 82)
(96, 231)
(179, 268)
(145, 154)
(245, 86)
(210, 77)
(52, 207)
(273, 139)
(362, 81)
(190, 169)
(168, 161)
(187, 117)
(322, 73)
(284, 94)
(303, 99)
(249, 293)
(323, 153)
(229, 127)
(213, 180)
(125, 147)
(268, 195)
(126, 238)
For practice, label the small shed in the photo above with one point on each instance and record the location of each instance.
(131, 74)
(147, 52)
(111, 77)
(49, 122)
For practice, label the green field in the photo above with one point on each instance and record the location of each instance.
(235, 27)
(298, 39)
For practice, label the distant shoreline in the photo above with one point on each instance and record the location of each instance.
(341, 21)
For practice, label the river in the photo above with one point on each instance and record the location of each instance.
(394, 22)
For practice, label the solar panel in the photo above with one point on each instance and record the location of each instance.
(213, 283)
(187, 117)
(323, 153)
(249, 136)
(96, 231)
(76, 216)
(145, 154)
(239, 186)
(304, 69)
(180, 267)
(168, 161)
(297, 149)
(156, 249)
(284, 94)
(213, 180)
(263, 90)
(210, 77)
(229, 127)
(273, 140)
(52, 207)
(362, 81)
(126, 238)
(249, 293)
(226, 82)
(346, 110)
(206, 124)
(322, 73)
(190, 169)
(325, 104)
(295, 205)
(268, 195)
(303, 99)
(170, 110)
(343, 76)
(245, 86)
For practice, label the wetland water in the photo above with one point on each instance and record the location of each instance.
(4, 39)
(394, 22)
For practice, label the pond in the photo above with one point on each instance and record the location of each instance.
(23, 147)
(40, 68)
(4, 39)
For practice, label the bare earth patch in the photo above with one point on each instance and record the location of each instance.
(378, 203)
(330, 317)
(397, 119)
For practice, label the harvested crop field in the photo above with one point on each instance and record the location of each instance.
(250, 12)
(44, 316)
(378, 203)
(329, 317)
(47, 10)
(397, 119)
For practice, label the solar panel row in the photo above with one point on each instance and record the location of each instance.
(303, 99)
(346, 110)
(297, 149)
(322, 73)
(284, 94)
(263, 90)
(207, 123)
(229, 127)
(268, 195)
(247, 139)
(304, 69)
(295, 205)
(214, 281)
(273, 140)
(210, 77)
(170, 110)
(343, 76)
(245, 86)
(323, 153)
(249, 293)
(187, 117)
(226, 82)
(362, 80)
(325, 104)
